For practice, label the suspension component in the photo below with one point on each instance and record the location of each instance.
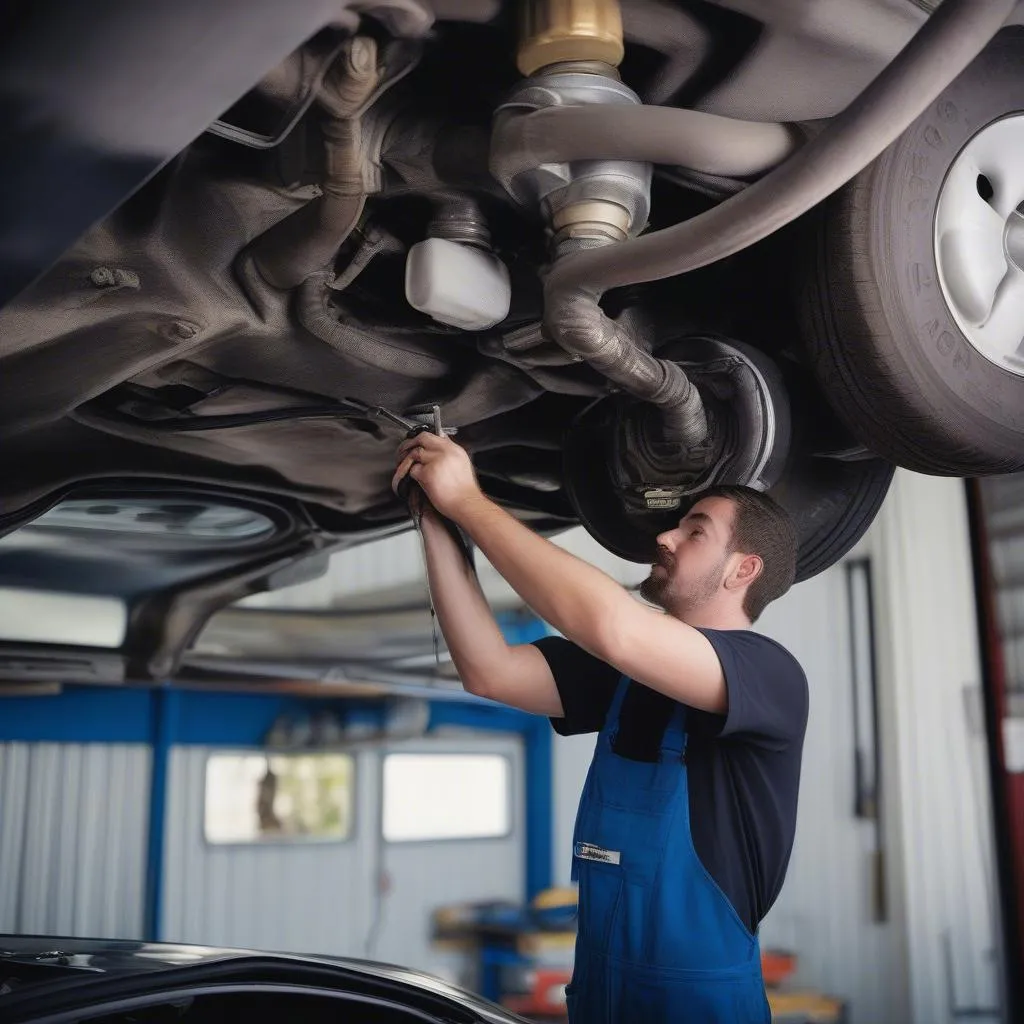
(569, 51)
(585, 202)
(562, 31)
(589, 204)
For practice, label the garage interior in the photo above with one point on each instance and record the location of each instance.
(899, 902)
(624, 252)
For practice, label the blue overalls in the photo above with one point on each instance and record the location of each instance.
(658, 939)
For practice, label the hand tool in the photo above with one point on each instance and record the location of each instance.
(407, 487)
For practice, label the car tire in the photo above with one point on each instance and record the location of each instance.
(831, 488)
(883, 340)
(831, 504)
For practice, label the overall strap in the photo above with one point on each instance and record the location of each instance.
(611, 722)
(674, 740)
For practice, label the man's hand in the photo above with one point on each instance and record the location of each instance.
(442, 468)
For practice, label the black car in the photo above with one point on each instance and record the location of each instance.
(627, 253)
(62, 980)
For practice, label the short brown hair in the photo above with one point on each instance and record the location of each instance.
(762, 527)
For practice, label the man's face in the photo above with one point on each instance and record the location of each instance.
(692, 559)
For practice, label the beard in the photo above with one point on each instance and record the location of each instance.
(653, 588)
(680, 597)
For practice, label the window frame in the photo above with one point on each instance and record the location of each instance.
(298, 843)
(510, 807)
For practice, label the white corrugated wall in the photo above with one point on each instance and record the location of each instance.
(319, 898)
(396, 562)
(300, 898)
(934, 747)
(73, 830)
(571, 756)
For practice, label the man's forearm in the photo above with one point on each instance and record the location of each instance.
(474, 639)
(577, 599)
(585, 604)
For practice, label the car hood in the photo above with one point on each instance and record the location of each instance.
(85, 966)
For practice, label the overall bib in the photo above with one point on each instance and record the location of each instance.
(658, 940)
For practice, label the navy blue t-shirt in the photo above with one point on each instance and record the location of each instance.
(744, 766)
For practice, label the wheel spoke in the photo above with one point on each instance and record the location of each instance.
(967, 207)
(970, 245)
(1008, 189)
(998, 154)
(1002, 333)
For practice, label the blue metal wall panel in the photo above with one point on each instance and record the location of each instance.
(78, 714)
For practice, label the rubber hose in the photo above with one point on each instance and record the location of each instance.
(658, 135)
(305, 242)
(944, 46)
(580, 326)
(319, 316)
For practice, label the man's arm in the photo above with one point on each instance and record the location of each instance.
(580, 601)
(487, 665)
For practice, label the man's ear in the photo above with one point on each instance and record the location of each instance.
(749, 568)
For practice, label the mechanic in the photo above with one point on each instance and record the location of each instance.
(687, 819)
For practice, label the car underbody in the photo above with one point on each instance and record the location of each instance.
(395, 215)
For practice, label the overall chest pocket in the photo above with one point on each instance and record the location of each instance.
(632, 840)
(644, 787)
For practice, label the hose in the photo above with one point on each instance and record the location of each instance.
(579, 325)
(951, 38)
(409, 18)
(944, 46)
(306, 241)
(372, 347)
(346, 409)
(658, 135)
(301, 244)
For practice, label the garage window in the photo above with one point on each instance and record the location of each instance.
(48, 617)
(446, 796)
(294, 798)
